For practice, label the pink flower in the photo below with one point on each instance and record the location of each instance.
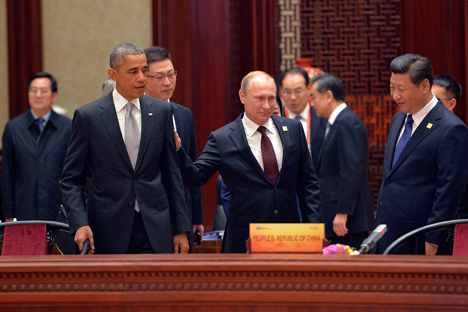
(339, 249)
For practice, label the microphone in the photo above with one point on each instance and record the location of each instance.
(373, 238)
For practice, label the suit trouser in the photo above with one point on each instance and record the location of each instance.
(139, 241)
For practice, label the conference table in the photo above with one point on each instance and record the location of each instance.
(233, 282)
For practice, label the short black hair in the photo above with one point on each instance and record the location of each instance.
(449, 83)
(157, 54)
(418, 67)
(53, 81)
(295, 71)
(327, 82)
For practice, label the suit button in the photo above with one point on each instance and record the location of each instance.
(276, 211)
(131, 203)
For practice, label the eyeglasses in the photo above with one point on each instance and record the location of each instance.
(161, 77)
(297, 92)
(42, 91)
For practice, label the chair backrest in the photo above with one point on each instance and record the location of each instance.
(25, 239)
(460, 242)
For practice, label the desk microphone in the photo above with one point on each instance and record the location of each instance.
(373, 238)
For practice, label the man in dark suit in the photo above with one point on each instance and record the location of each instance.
(342, 165)
(264, 162)
(126, 139)
(295, 88)
(426, 158)
(34, 148)
(162, 78)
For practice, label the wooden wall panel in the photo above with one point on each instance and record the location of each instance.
(24, 50)
(437, 30)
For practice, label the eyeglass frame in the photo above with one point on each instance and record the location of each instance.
(164, 76)
(296, 92)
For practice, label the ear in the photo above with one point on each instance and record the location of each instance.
(242, 96)
(426, 85)
(452, 104)
(329, 96)
(54, 97)
(112, 74)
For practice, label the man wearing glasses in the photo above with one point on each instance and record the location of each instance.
(447, 89)
(34, 148)
(295, 88)
(162, 78)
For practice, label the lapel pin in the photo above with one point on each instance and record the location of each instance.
(429, 126)
(285, 128)
(150, 114)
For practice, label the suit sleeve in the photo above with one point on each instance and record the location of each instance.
(307, 185)
(352, 162)
(8, 175)
(196, 194)
(452, 163)
(169, 166)
(73, 179)
(197, 174)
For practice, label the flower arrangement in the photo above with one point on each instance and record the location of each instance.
(339, 249)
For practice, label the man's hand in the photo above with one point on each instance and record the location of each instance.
(178, 141)
(339, 224)
(431, 249)
(81, 235)
(201, 230)
(181, 242)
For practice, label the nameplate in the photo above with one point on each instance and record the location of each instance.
(286, 237)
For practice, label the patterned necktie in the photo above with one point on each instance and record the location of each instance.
(404, 138)
(132, 138)
(270, 165)
(40, 124)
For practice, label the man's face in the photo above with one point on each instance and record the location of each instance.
(159, 84)
(259, 100)
(320, 102)
(409, 97)
(130, 78)
(441, 93)
(41, 96)
(295, 92)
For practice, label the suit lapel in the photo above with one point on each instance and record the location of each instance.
(285, 140)
(147, 122)
(423, 130)
(330, 135)
(237, 136)
(109, 118)
(181, 127)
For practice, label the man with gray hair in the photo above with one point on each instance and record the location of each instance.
(264, 161)
(136, 202)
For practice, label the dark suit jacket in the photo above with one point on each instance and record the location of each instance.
(427, 181)
(186, 131)
(253, 197)
(32, 165)
(342, 172)
(316, 134)
(96, 141)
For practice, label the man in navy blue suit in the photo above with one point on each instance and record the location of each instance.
(342, 165)
(426, 158)
(264, 161)
(162, 78)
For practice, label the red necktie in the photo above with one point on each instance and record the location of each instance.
(270, 165)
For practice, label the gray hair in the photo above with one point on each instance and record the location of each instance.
(117, 55)
(107, 86)
(245, 83)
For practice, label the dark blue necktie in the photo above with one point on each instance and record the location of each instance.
(404, 138)
(40, 124)
(298, 117)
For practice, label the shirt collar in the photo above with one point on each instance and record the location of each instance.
(251, 127)
(304, 114)
(120, 101)
(336, 112)
(421, 114)
(46, 117)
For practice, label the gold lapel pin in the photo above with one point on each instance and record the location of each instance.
(285, 128)
(429, 126)
(150, 114)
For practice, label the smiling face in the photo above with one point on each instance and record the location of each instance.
(160, 85)
(259, 99)
(41, 96)
(409, 97)
(130, 77)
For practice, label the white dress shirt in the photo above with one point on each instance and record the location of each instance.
(254, 139)
(120, 107)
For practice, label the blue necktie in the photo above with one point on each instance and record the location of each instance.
(40, 123)
(404, 138)
(298, 117)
